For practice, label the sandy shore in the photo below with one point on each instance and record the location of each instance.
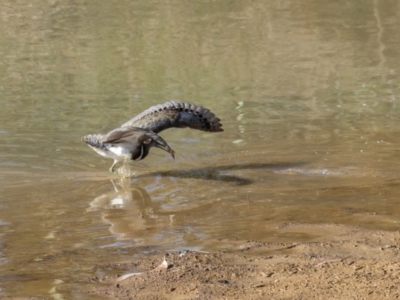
(353, 263)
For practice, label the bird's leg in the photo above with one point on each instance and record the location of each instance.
(115, 187)
(112, 167)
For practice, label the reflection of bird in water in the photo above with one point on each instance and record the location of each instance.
(119, 198)
(134, 139)
(130, 212)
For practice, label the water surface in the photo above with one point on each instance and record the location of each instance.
(307, 93)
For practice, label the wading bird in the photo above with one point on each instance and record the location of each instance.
(133, 140)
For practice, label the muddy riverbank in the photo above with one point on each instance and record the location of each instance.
(353, 264)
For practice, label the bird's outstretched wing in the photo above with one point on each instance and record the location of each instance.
(176, 114)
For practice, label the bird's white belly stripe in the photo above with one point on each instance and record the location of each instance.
(121, 150)
(117, 150)
(104, 152)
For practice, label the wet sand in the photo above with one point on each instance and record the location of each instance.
(353, 263)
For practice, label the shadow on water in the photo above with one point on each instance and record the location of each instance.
(123, 192)
(214, 173)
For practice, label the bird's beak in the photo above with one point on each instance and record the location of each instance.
(166, 148)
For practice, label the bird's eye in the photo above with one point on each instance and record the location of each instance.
(148, 141)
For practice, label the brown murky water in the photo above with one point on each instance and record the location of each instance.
(308, 95)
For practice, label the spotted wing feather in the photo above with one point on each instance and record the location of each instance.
(176, 114)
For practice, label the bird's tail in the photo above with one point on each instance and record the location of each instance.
(94, 140)
(176, 114)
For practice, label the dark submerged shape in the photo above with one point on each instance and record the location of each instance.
(134, 138)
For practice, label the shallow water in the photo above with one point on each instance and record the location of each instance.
(307, 93)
